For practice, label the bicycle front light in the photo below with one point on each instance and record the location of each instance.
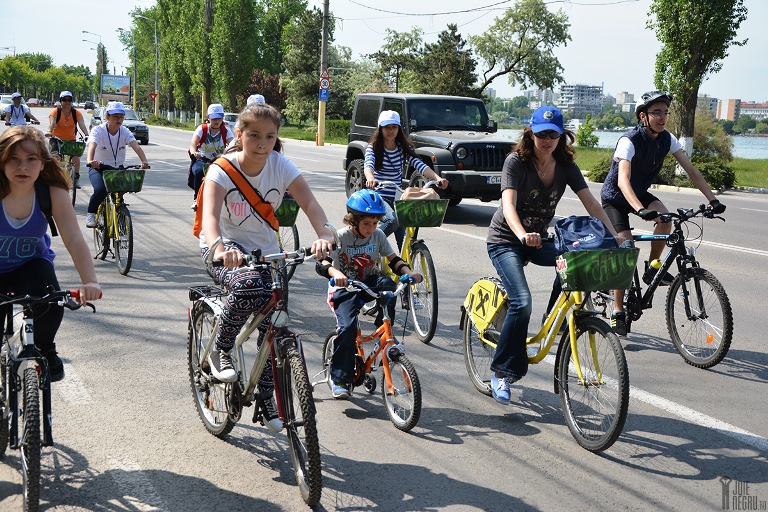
(691, 251)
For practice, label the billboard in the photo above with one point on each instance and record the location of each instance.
(116, 87)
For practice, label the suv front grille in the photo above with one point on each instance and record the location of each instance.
(487, 159)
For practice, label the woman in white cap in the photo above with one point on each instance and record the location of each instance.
(106, 145)
(388, 154)
(209, 141)
(15, 113)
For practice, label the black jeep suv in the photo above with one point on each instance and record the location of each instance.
(452, 134)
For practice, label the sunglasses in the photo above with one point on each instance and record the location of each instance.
(66, 100)
(552, 134)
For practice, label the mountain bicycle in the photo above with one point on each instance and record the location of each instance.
(400, 389)
(220, 404)
(66, 149)
(591, 374)
(113, 219)
(420, 299)
(23, 376)
(698, 311)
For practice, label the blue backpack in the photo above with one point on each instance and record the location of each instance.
(585, 232)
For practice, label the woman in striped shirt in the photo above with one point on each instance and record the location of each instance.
(389, 152)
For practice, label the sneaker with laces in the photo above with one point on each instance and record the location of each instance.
(90, 220)
(193, 206)
(222, 366)
(650, 273)
(500, 388)
(340, 390)
(55, 366)
(619, 323)
(417, 305)
(270, 417)
(77, 180)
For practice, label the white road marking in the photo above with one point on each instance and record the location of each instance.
(72, 389)
(135, 486)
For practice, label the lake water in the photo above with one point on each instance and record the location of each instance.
(743, 147)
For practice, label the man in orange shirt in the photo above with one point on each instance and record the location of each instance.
(64, 121)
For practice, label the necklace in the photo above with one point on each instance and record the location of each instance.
(538, 169)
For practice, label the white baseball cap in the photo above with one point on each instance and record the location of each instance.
(115, 107)
(215, 111)
(388, 117)
(255, 98)
(65, 94)
(15, 95)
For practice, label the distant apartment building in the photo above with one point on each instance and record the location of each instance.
(757, 111)
(729, 109)
(707, 103)
(624, 97)
(580, 99)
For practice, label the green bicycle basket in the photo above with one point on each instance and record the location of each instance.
(600, 269)
(72, 148)
(124, 180)
(287, 212)
(424, 213)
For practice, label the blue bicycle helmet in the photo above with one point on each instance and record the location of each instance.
(366, 202)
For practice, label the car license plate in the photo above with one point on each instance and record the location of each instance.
(494, 180)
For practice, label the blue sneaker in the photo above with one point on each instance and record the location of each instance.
(500, 388)
(340, 391)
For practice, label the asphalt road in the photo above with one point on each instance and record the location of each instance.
(128, 436)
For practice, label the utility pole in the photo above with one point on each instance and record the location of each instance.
(324, 79)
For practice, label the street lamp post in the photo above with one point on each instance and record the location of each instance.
(157, 89)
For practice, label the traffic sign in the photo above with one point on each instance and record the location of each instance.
(324, 73)
(152, 96)
(325, 83)
(324, 95)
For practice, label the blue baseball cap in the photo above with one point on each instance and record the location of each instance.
(547, 118)
(215, 111)
(255, 98)
(115, 107)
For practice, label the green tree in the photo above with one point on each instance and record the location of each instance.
(278, 15)
(585, 135)
(233, 22)
(266, 85)
(301, 77)
(398, 54)
(14, 73)
(711, 143)
(37, 61)
(695, 37)
(521, 44)
(744, 123)
(446, 67)
(761, 128)
(727, 125)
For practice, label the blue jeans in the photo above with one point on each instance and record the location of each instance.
(390, 225)
(198, 166)
(346, 305)
(99, 189)
(511, 358)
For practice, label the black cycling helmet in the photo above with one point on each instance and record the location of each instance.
(366, 202)
(651, 97)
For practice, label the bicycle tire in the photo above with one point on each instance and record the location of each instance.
(211, 399)
(404, 406)
(702, 342)
(327, 354)
(4, 431)
(424, 318)
(595, 414)
(289, 241)
(303, 443)
(100, 234)
(478, 354)
(73, 187)
(30, 441)
(124, 240)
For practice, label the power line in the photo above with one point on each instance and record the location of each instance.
(485, 7)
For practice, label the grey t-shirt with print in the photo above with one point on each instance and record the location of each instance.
(357, 257)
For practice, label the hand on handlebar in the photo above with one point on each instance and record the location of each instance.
(413, 277)
(88, 292)
(647, 214)
(232, 258)
(94, 164)
(531, 240)
(716, 206)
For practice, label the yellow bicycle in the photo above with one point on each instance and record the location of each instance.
(113, 219)
(591, 374)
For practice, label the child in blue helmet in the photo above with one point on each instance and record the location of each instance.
(362, 243)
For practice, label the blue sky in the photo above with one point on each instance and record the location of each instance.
(610, 44)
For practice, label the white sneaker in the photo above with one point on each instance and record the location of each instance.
(193, 206)
(90, 220)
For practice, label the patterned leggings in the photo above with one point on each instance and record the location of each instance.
(248, 292)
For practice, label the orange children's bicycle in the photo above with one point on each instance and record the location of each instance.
(401, 390)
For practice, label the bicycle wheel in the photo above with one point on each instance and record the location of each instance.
(327, 354)
(73, 186)
(211, 398)
(704, 338)
(478, 354)
(30, 440)
(423, 296)
(596, 410)
(403, 403)
(124, 241)
(289, 241)
(3, 407)
(301, 427)
(100, 235)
